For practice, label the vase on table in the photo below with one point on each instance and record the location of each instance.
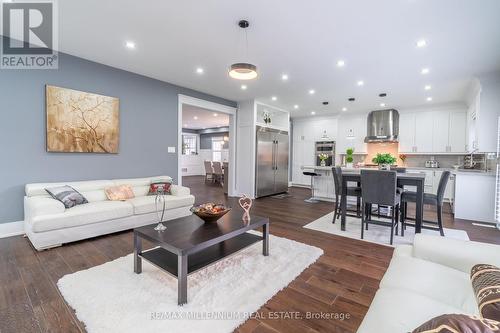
(349, 165)
(384, 167)
(160, 205)
(322, 163)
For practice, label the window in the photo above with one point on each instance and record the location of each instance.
(189, 144)
(217, 145)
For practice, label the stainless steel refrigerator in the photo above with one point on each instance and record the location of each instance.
(271, 170)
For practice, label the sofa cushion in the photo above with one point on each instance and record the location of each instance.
(397, 311)
(146, 205)
(119, 192)
(67, 195)
(35, 206)
(441, 283)
(38, 189)
(89, 213)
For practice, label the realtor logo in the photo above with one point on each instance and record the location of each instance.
(29, 33)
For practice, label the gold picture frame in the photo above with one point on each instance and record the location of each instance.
(81, 122)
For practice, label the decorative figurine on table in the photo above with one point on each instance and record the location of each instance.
(160, 204)
(245, 203)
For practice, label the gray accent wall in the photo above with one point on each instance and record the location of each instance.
(148, 125)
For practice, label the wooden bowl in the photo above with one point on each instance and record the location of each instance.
(207, 215)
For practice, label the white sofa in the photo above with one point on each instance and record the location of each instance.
(48, 224)
(427, 279)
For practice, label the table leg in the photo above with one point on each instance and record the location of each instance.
(265, 240)
(419, 206)
(137, 252)
(343, 205)
(182, 269)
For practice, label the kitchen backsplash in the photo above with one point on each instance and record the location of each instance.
(445, 161)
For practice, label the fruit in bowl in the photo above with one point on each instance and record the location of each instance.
(210, 212)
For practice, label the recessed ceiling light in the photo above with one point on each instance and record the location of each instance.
(243, 87)
(295, 106)
(130, 44)
(312, 92)
(361, 83)
(185, 125)
(340, 63)
(427, 87)
(313, 113)
(199, 70)
(344, 109)
(284, 77)
(429, 99)
(274, 98)
(382, 104)
(421, 43)
(195, 118)
(425, 71)
(215, 114)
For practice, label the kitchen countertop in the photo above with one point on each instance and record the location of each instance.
(454, 171)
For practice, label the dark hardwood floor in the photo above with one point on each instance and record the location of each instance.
(343, 280)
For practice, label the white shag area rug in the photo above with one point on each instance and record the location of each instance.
(375, 233)
(112, 298)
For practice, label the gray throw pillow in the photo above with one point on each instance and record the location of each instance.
(67, 195)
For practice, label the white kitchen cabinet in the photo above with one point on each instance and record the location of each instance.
(440, 131)
(458, 128)
(406, 132)
(305, 134)
(423, 132)
(352, 134)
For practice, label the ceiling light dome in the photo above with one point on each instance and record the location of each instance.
(243, 71)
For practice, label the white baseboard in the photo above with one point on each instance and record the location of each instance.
(11, 229)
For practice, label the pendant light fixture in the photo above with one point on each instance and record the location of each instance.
(243, 70)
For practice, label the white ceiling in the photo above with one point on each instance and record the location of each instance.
(194, 117)
(303, 39)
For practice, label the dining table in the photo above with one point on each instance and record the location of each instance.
(416, 179)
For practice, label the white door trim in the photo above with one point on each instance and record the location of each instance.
(184, 99)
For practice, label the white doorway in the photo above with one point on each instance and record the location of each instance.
(188, 104)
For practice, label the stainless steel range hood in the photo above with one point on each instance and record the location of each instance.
(382, 126)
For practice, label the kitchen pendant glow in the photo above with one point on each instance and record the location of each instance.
(243, 70)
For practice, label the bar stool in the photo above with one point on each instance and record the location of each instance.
(312, 174)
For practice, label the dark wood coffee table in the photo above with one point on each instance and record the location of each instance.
(189, 244)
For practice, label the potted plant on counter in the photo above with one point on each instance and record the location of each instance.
(384, 161)
(322, 159)
(349, 158)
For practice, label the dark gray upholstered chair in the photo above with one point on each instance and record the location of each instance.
(353, 191)
(312, 174)
(380, 188)
(429, 199)
(399, 189)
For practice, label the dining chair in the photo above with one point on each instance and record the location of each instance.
(380, 188)
(399, 189)
(429, 199)
(218, 173)
(209, 171)
(353, 191)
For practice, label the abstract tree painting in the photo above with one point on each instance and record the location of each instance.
(80, 122)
